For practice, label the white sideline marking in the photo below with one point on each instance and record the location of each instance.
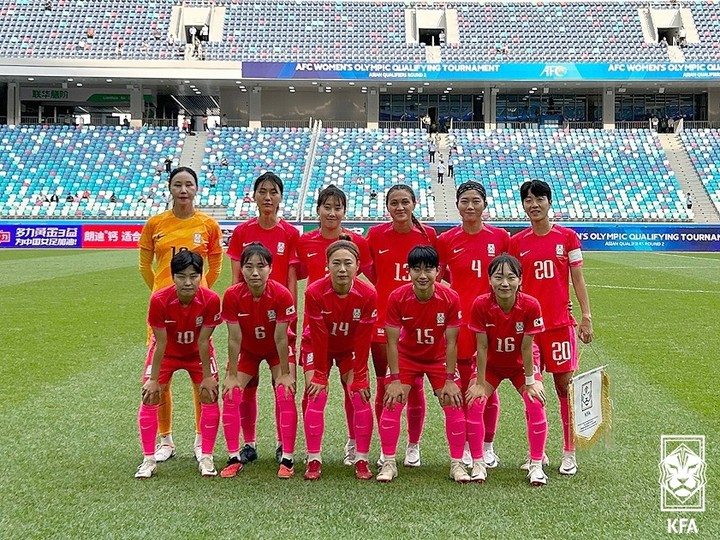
(652, 289)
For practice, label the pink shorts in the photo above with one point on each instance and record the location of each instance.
(170, 365)
(516, 374)
(557, 349)
(344, 361)
(410, 370)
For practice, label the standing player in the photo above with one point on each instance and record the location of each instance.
(331, 207)
(341, 312)
(505, 322)
(551, 257)
(390, 244)
(178, 229)
(465, 252)
(280, 238)
(421, 324)
(257, 312)
(182, 317)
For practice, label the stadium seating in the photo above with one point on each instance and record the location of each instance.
(249, 154)
(583, 31)
(358, 161)
(39, 161)
(703, 145)
(598, 175)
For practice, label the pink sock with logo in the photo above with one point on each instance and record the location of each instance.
(349, 412)
(209, 424)
(416, 406)
(475, 428)
(455, 430)
(288, 418)
(231, 420)
(148, 427)
(536, 427)
(363, 423)
(389, 429)
(248, 413)
(491, 416)
(314, 422)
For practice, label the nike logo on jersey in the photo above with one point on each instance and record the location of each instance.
(523, 253)
(457, 250)
(406, 318)
(311, 255)
(168, 322)
(243, 314)
(381, 251)
(325, 312)
(246, 244)
(489, 325)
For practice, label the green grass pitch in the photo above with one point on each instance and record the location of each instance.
(72, 338)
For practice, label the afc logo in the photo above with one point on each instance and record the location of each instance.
(551, 71)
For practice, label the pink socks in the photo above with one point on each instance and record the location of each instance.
(248, 413)
(389, 428)
(148, 427)
(455, 430)
(314, 422)
(209, 423)
(536, 426)
(416, 411)
(288, 418)
(231, 420)
(491, 416)
(363, 424)
(348, 403)
(475, 428)
(379, 397)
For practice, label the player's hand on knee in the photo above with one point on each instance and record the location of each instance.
(287, 381)
(393, 394)
(536, 391)
(151, 392)
(314, 389)
(229, 385)
(208, 390)
(451, 394)
(474, 392)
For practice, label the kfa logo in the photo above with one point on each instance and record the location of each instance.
(586, 396)
(682, 473)
(551, 71)
(491, 250)
(198, 321)
(441, 318)
(356, 314)
(281, 248)
(519, 327)
(559, 249)
(271, 315)
(197, 239)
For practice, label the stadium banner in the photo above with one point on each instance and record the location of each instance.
(594, 237)
(483, 71)
(590, 407)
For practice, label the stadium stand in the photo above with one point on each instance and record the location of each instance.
(599, 175)
(110, 172)
(703, 146)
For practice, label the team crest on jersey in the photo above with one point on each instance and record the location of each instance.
(356, 314)
(559, 250)
(491, 250)
(281, 248)
(198, 321)
(197, 239)
(271, 314)
(537, 323)
(441, 318)
(519, 327)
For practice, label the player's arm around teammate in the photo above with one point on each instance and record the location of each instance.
(341, 311)
(421, 325)
(257, 312)
(182, 317)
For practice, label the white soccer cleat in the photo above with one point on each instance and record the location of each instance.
(526, 466)
(491, 459)
(458, 472)
(381, 460)
(206, 466)
(467, 459)
(147, 468)
(388, 472)
(536, 476)
(197, 450)
(568, 466)
(164, 451)
(479, 472)
(349, 458)
(412, 455)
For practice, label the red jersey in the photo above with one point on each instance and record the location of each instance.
(389, 250)
(183, 323)
(422, 324)
(546, 262)
(311, 253)
(281, 241)
(339, 325)
(258, 317)
(505, 331)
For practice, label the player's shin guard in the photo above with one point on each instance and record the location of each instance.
(248, 413)
(536, 427)
(165, 408)
(148, 427)
(416, 411)
(288, 418)
(475, 428)
(389, 429)
(362, 424)
(209, 423)
(314, 422)
(568, 442)
(455, 430)
(491, 416)
(379, 397)
(349, 414)
(231, 420)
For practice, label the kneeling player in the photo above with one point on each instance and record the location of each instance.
(505, 322)
(421, 325)
(182, 316)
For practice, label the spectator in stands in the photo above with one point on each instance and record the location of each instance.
(205, 122)
(54, 198)
(224, 162)
(82, 45)
(426, 122)
(204, 33)
(169, 160)
(247, 199)
(42, 199)
(186, 125)
(432, 148)
(441, 37)
(373, 194)
(654, 122)
(126, 122)
(90, 32)
(69, 198)
(156, 34)
(671, 125)
(119, 49)
(85, 195)
(113, 198)
(441, 171)
(224, 121)
(48, 5)
(145, 46)
(682, 37)
(213, 181)
(142, 198)
(689, 202)
(452, 159)
(664, 42)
